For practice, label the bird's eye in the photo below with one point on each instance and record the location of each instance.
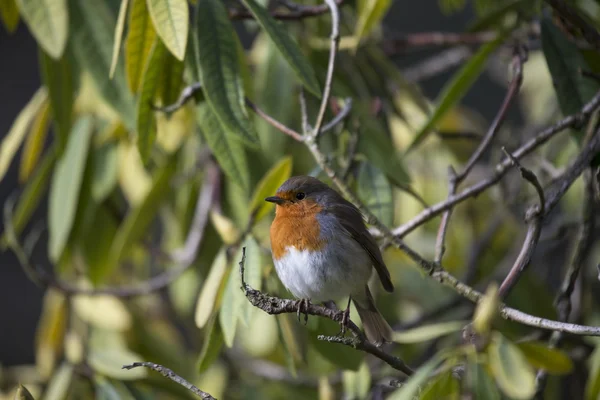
(300, 195)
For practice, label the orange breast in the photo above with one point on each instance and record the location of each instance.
(296, 225)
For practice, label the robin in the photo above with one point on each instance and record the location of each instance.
(323, 251)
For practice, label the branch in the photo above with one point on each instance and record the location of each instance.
(296, 12)
(274, 305)
(589, 32)
(534, 217)
(436, 64)
(171, 375)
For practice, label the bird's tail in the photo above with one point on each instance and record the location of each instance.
(376, 327)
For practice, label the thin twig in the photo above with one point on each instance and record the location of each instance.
(335, 41)
(440, 246)
(273, 122)
(534, 218)
(274, 305)
(164, 371)
(344, 112)
(300, 12)
(437, 64)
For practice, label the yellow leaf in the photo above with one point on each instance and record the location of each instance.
(268, 185)
(50, 332)
(35, 142)
(224, 227)
(118, 36)
(138, 44)
(102, 311)
(171, 21)
(134, 181)
(9, 14)
(210, 289)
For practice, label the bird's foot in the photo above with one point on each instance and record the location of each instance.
(303, 303)
(345, 320)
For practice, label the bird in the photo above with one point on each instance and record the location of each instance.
(322, 251)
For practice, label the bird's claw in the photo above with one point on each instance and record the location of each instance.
(305, 303)
(344, 322)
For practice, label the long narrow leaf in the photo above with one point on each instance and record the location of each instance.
(140, 38)
(171, 20)
(118, 36)
(9, 14)
(48, 21)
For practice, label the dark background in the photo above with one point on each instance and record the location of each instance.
(20, 299)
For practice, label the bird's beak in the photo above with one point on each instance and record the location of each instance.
(275, 199)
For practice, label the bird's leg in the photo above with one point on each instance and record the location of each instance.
(305, 303)
(345, 318)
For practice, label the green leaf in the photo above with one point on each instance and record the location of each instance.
(9, 14)
(146, 123)
(543, 357)
(171, 20)
(252, 275)
(229, 152)
(344, 357)
(34, 143)
(119, 28)
(23, 394)
(31, 196)
(592, 388)
(357, 384)
(213, 342)
(105, 171)
(512, 373)
(48, 22)
(65, 187)
(59, 384)
(106, 391)
(57, 75)
(496, 15)
(92, 27)
(216, 56)
(370, 13)
(231, 306)
(268, 185)
(428, 332)
(411, 388)
(210, 289)
(480, 383)
(458, 86)
(139, 218)
(15, 136)
(375, 192)
(171, 79)
(286, 45)
(443, 386)
(138, 44)
(109, 361)
(565, 63)
(97, 243)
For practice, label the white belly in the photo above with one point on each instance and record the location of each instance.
(329, 274)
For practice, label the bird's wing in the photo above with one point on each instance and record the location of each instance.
(351, 219)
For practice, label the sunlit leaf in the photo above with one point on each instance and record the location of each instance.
(409, 390)
(268, 185)
(252, 275)
(357, 384)
(428, 332)
(146, 123)
(23, 394)
(134, 180)
(541, 356)
(9, 14)
(227, 150)
(110, 361)
(565, 63)
(231, 306)
(213, 342)
(102, 311)
(225, 227)
(59, 385)
(370, 13)
(50, 332)
(140, 37)
(374, 190)
(58, 77)
(443, 386)
(15, 136)
(171, 21)
(65, 187)
(92, 29)
(458, 86)
(216, 57)
(210, 288)
(48, 21)
(286, 45)
(119, 28)
(512, 373)
(34, 143)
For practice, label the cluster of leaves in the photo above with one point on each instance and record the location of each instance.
(122, 180)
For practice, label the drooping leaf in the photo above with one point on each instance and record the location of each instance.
(66, 185)
(268, 185)
(171, 79)
(50, 332)
(227, 150)
(231, 306)
(146, 123)
(480, 383)
(357, 384)
(216, 57)
(97, 243)
(565, 63)
(428, 332)
(109, 362)
(286, 45)
(59, 385)
(370, 13)
(23, 394)
(443, 386)
(48, 22)
(458, 86)
(512, 373)
(57, 75)
(343, 357)
(213, 342)
(92, 29)
(210, 288)
(252, 274)
(171, 21)
(9, 14)
(119, 28)
(102, 311)
(140, 37)
(34, 143)
(105, 171)
(541, 356)
(18, 130)
(409, 390)
(375, 191)
(592, 387)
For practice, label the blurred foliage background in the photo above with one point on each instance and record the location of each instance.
(144, 212)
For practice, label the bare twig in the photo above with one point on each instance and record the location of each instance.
(335, 41)
(440, 247)
(273, 122)
(436, 64)
(297, 12)
(274, 305)
(164, 371)
(534, 217)
(344, 112)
